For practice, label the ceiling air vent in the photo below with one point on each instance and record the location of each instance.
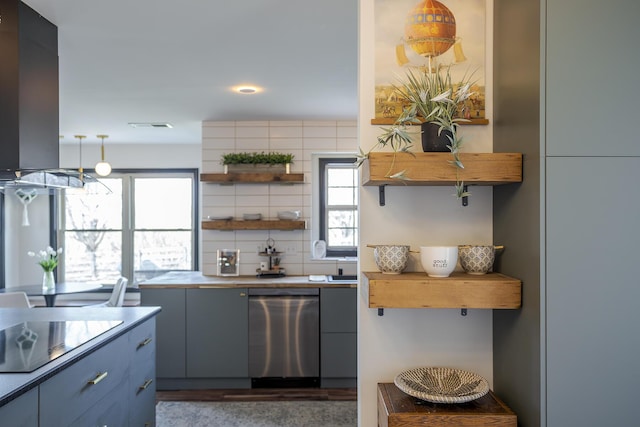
(151, 125)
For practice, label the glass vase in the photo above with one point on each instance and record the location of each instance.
(48, 282)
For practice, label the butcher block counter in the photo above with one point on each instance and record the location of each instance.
(195, 279)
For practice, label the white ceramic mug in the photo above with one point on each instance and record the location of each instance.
(439, 261)
(264, 266)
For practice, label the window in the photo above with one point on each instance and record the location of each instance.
(143, 227)
(338, 195)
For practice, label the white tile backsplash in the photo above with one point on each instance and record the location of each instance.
(218, 132)
(320, 132)
(300, 138)
(277, 132)
(252, 144)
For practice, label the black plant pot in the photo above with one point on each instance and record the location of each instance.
(431, 141)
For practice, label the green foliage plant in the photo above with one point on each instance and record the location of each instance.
(430, 96)
(261, 158)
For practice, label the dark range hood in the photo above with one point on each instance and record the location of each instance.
(29, 112)
(29, 106)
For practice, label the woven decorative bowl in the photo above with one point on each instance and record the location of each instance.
(442, 385)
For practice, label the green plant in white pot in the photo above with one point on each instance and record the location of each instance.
(432, 99)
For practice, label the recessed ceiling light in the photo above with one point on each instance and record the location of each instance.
(247, 90)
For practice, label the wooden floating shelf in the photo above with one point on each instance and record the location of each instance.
(435, 169)
(252, 178)
(391, 120)
(398, 409)
(263, 224)
(460, 290)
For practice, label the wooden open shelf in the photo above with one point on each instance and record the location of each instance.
(252, 178)
(398, 409)
(460, 290)
(435, 169)
(392, 120)
(263, 224)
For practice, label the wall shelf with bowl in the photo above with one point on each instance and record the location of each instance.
(261, 224)
(459, 290)
(252, 178)
(434, 169)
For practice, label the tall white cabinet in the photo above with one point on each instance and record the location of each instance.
(565, 96)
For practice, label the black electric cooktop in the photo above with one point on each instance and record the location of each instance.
(29, 345)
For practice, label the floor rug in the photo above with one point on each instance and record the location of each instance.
(257, 414)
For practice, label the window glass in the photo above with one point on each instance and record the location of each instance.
(143, 227)
(163, 203)
(163, 222)
(338, 191)
(92, 240)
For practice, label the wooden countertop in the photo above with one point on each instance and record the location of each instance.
(195, 279)
(13, 385)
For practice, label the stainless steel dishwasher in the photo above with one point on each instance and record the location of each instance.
(284, 337)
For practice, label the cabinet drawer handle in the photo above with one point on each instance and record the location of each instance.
(145, 342)
(97, 379)
(146, 384)
(243, 294)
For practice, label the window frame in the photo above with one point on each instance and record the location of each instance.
(323, 162)
(128, 210)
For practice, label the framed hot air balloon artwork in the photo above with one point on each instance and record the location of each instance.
(413, 35)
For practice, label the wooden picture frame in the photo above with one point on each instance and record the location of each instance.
(228, 262)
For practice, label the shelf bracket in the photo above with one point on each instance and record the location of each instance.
(465, 199)
(463, 312)
(381, 200)
(381, 312)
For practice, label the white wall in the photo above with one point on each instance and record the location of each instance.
(418, 216)
(303, 139)
(138, 156)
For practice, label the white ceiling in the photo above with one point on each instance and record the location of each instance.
(176, 61)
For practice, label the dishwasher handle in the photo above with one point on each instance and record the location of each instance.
(283, 291)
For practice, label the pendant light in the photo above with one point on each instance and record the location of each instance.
(80, 168)
(102, 168)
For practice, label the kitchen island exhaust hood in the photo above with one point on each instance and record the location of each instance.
(29, 111)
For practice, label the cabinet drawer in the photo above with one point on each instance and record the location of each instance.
(109, 411)
(23, 411)
(339, 355)
(142, 396)
(339, 310)
(142, 342)
(64, 397)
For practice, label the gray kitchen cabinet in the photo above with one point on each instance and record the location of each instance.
(93, 391)
(338, 337)
(217, 333)
(202, 337)
(571, 229)
(83, 385)
(171, 327)
(22, 411)
(142, 383)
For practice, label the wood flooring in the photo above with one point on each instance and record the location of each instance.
(259, 394)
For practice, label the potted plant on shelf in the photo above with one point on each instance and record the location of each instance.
(257, 162)
(435, 102)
